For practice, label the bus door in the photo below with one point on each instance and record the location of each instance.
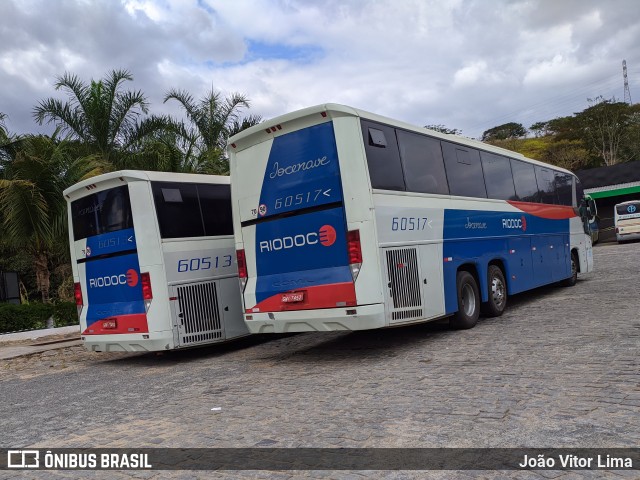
(106, 253)
(298, 221)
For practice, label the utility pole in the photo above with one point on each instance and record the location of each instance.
(627, 92)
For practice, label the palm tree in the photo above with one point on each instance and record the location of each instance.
(212, 120)
(34, 210)
(101, 115)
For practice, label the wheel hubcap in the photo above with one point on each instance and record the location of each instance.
(468, 300)
(497, 292)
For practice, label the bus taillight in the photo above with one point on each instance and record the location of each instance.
(77, 293)
(242, 268)
(355, 252)
(147, 293)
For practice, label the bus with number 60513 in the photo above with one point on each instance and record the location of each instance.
(347, 220)
(153, 261)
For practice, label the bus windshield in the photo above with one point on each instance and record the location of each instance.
(102, 212)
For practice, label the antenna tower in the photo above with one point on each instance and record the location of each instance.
(627, 92)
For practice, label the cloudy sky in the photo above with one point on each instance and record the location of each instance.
(466, 64)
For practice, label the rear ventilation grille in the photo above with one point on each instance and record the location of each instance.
(198, 313)
(404, 283)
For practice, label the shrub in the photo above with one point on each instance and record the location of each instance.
(24, 317)
(65, 313)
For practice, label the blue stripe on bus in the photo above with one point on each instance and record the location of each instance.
(309, 249)
(533, 251)
(113, 287)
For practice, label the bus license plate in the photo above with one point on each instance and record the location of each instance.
(292, 297)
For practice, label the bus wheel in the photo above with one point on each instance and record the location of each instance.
(497, 302)
(468, 302)
(571, 281)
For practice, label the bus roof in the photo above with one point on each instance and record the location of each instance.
(292, 121)
(146, 176)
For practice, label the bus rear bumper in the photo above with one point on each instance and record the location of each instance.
(155, 342)
(326, 320)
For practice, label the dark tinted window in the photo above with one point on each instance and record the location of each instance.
(564, 188)
(422, 163)
(524, 179)
(383, 158)
(102, 212)
(215, 201)
(628, 209)
(497, 176)
(464, 171)
(178, 209)
(579, 192)
(546, 186)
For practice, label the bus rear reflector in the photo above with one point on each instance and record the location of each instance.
(77, 293)
(147, 293)
(355, 252)
(242, 268)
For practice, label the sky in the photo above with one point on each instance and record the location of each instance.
(465, 64)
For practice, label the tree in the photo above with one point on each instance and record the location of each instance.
(443, 129)
(34, 218)
(211, 121)
(101, 115)
(503, 132)
(605, 126)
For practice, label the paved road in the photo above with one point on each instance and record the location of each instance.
(558, 369)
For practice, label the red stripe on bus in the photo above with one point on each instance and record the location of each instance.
(133, 323)
(333, 295)
(551, 212)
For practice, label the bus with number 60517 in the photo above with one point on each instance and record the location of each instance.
(153, 261)
(347, 220)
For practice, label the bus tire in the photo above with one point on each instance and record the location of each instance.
(468, 302)
(571, 281)
(497, 302)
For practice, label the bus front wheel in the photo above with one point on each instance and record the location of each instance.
(468, 302)
(497, 301)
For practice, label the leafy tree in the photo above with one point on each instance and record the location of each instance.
(504, 131)
(211, 121)
(34, 219)
(605, 127)
(540, 129)
(443, 129)
(101, 115)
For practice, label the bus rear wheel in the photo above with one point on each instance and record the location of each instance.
(571, 281)
(468, 302)
(497, 302)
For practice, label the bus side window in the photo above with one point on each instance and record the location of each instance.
(524, 179)
(178, 209)
(383, 157)
(498, 176)
(215, 201)
(564, 188)
(546, 186)
(422, 163)
(464, 170)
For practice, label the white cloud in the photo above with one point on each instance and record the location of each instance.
(468, 64)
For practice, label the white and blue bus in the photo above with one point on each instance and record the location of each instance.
(153, 261)
(346, 220)
(626, 220)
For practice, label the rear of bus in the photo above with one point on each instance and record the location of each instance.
(302, 228)
(627, 221)
(112, 292)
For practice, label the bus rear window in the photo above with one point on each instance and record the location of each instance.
(102, 212)
(628, 208)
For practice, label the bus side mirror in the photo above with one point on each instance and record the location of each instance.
(591, 208)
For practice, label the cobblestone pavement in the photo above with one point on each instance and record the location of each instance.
(558, 369)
